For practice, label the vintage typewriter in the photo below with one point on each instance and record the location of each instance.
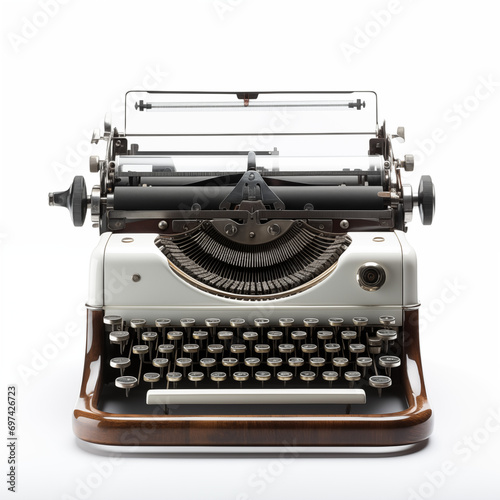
(252, 285)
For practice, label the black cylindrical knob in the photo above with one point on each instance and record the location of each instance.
(426, 199)
(74, 199)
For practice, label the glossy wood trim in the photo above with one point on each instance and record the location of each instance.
(409, 426)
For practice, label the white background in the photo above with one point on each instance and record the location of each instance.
(427, 62)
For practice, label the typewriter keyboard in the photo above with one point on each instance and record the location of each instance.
(293, 362)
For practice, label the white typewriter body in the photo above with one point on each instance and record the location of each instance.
(119, 257)
(252, 283)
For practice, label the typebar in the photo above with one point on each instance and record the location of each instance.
(255, 396)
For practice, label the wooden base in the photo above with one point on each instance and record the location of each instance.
(412, 425)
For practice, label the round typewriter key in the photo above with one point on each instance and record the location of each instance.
(364, 363)
(190, 348)
(299, 335)
(141, 350)
(162, 324)
(286, 323)
(166, 349)
(351, 377)
(113, 321)
(149, 338)
(119, 337)
(274, 363)
(211, 322)
(317, 363)
(274, 336)
(389, 362)
(215, 349)
(241, 377)
(175, 336)
(200, 335)
(160, 363)
(336, 323)
(250, 336)
(262, 349)
(236, 322)
(307, 376)
(151, 377)
(263, 376)
(295, 363)
(324, 336)
(188, 324)
(218, 377)
(260, 322)
(340, 362)
(207, 363)
(311, 321)
(120, 363)
(230, 363)
(380, 382)
(196, 377)
(387, 320)
(386, 336)
(174, 378)
(356, 349)
(284, 377)
(286, 349)
(238, 348)
(225, 336)
(360, 321)
(138, 325)
(183, 363)
(309, 349)
(332, 348)
(252, 363)
(330, 376)
(348, 335)
(126, 382)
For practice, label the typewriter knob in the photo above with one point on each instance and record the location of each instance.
(74, 199)
(409, 163)
(426, 199)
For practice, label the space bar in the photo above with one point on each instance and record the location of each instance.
(254, 396)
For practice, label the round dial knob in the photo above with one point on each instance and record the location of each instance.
(74, 199)
(426, 199)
